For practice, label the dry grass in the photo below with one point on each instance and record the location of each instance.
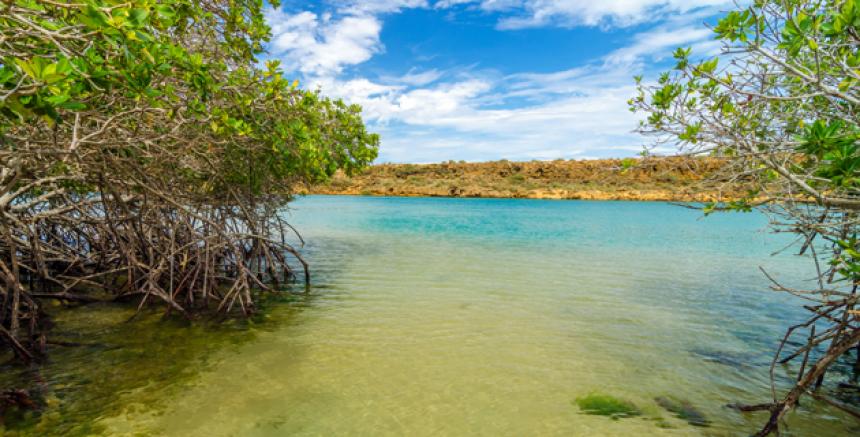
(670, 179)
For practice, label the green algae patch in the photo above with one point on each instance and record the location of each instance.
(683, 410)
(605, 405)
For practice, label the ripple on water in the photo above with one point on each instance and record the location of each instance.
(467, 317)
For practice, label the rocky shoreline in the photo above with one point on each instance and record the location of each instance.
(677, 179)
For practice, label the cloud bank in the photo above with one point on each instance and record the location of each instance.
(427, 115)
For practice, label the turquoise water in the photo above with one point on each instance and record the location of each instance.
(465, 317)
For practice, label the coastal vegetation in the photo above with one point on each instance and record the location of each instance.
(606, 405)
(649, 178)
(149, 153)
(781, 106)
(600, 404)
(145, 156)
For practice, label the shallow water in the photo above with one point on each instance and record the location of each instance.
(457, 317)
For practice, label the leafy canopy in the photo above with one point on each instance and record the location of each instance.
(780, 106)
(88, 70)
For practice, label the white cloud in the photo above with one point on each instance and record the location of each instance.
(321, 45)
(442, 4)
(417, 106)
(658, 43)
(378, 6)
(569, 13)
(431, 106)
(588, 115)
(415, 78)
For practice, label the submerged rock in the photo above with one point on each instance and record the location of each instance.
(683, 410)
(605, 405)
(662, 423)
(738, 361)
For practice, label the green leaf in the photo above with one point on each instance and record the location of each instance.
(137, 17)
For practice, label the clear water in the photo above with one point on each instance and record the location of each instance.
(457, 317)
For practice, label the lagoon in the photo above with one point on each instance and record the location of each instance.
(436, 316)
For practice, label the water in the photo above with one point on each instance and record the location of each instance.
(457, 317)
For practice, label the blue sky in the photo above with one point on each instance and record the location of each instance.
(481, 80)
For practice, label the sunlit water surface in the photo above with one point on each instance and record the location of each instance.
(457, 317)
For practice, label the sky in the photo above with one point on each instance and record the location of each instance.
(481, 80)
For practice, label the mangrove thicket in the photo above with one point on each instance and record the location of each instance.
(146, 155)
(781, 104)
